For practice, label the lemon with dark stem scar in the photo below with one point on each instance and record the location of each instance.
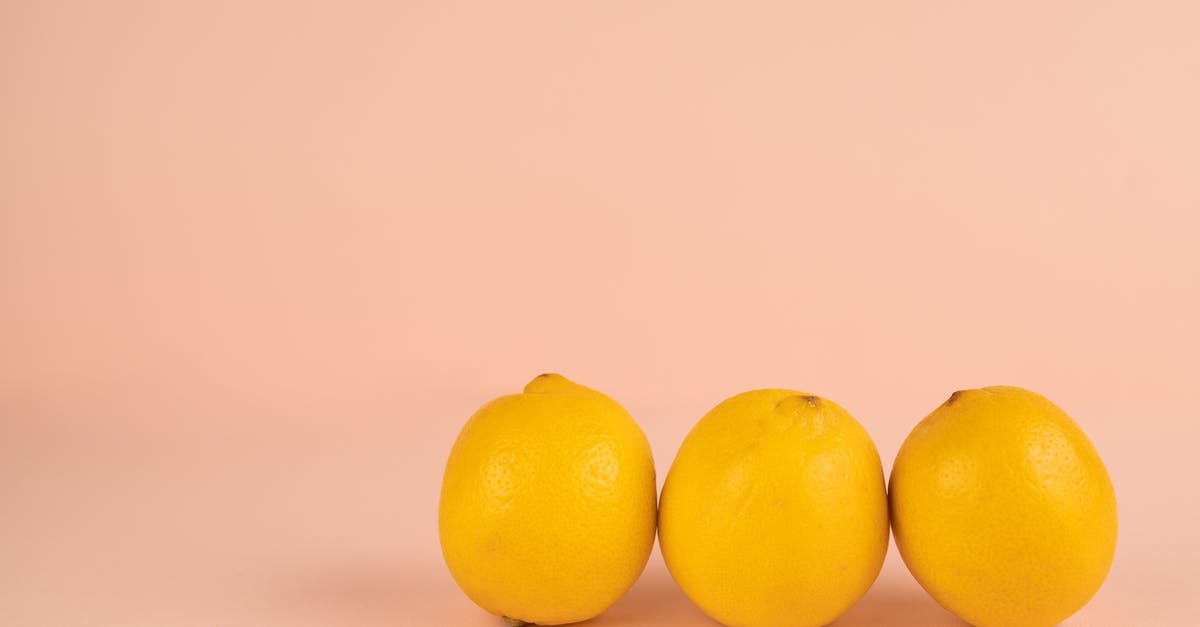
(1003, 510)
(774, 511)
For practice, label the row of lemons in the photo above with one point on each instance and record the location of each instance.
(775, 510)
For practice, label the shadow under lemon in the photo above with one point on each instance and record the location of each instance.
(390, 594)
(369, 594)
(892, 602)
(656, 600)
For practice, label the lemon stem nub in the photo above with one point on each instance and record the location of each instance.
(515, 622)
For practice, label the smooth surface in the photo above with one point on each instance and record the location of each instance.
(260, 261)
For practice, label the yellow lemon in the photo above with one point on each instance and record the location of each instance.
(1003, 510)
(547, 510)
(774, 511)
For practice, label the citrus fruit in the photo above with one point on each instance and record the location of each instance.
(774, 511)
(547, 510)
(1003, 510)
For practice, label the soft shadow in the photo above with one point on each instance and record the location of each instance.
(368, 595)
(653, 600)
(656, 600)
(887, 606)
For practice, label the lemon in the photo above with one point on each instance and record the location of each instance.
(1003, 510)
(547, 510)
(774, 511)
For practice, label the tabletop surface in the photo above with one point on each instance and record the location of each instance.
(327, 516)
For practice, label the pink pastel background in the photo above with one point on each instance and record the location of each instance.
(259, 261)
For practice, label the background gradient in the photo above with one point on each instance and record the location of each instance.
(260, 260)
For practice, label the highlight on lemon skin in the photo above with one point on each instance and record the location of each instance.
(548, 504)
(774, 511)
(1003, 510)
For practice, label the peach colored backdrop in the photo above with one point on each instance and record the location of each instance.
(260, 260)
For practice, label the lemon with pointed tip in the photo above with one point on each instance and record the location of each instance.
(548, 504)
(1003, 510)
(774, 511)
